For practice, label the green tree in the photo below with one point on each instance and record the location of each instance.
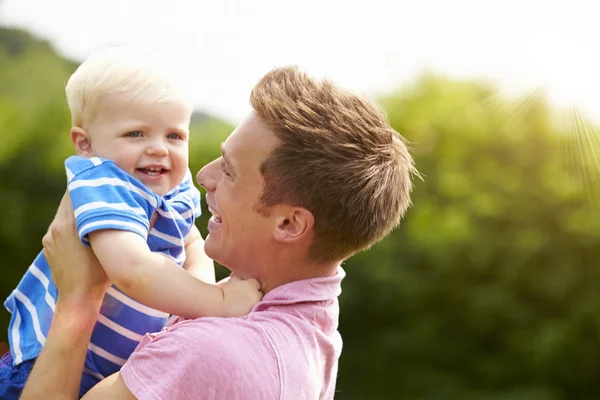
(489, 288)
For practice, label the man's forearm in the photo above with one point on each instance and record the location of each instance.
(57, 371)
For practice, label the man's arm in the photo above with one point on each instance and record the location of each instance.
(197, 262)
(112, 387)
(60, 363)
(158, 282)
(57, 371)
(81, 284)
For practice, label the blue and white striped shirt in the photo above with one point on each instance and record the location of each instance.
(105, 197)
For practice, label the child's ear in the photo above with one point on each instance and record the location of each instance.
(81, 141)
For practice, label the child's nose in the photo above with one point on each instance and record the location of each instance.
(157, 148)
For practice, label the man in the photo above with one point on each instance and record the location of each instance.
(312, 176)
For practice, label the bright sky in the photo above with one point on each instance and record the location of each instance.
(224, 46)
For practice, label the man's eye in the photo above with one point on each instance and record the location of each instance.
(134, 134)
(225, 172)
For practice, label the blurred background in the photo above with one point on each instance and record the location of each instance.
(490, 287)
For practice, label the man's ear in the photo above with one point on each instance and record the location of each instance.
(81, 141)
(294, 225)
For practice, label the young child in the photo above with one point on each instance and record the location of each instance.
(135, 205)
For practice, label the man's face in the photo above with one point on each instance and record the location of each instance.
(147, 140)
(238, 235)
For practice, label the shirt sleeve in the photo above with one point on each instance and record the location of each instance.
(106, 197)
(212, 358)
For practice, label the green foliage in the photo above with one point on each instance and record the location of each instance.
(34, 128)
(488, 290)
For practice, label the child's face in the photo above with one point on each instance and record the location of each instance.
(147, 140)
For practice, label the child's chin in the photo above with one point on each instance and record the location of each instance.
(159, 189)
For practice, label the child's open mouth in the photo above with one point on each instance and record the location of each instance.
(151, 171)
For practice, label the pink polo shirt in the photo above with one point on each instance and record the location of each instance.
(286, 348)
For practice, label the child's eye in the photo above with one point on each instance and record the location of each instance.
(174, 135)
(134, 134)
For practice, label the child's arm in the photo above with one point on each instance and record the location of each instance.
(197, 262)
(160, 283)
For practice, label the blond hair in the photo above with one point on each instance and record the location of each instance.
(135, 73)
(338, 157)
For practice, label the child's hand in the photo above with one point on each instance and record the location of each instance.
(240, 295)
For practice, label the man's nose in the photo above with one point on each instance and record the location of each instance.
(208, 176)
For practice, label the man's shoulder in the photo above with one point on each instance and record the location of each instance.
(254, 344)
(228, 356)
(264, 355)
(263, 329)
(280, 342)
(219, 332)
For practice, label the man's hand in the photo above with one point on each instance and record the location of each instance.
(240, 295)
(75, 269)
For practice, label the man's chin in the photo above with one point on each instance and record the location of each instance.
(211, 251)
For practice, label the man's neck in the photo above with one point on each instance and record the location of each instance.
(285, 273)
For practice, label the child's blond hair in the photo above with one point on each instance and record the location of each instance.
(120, 70)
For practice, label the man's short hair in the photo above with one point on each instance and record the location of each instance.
(134, 73)
(338, 157)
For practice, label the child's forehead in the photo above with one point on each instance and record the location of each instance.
(124, 106)
(132, 101)
(140, 97)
